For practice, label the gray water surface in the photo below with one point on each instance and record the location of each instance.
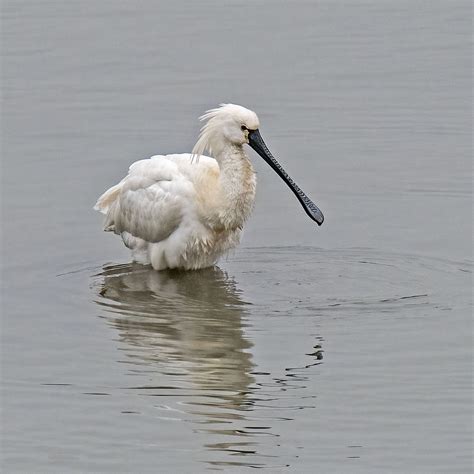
(340, 349)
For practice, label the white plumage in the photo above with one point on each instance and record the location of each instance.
(187, 210)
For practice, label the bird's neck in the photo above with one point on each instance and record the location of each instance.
(237, 186)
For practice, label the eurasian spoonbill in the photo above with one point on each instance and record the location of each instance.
(187, 210)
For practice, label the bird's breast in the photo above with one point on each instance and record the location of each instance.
(225, 200)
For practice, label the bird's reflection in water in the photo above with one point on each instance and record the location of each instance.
(184, 331)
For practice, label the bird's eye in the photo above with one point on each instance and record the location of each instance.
(243, 128)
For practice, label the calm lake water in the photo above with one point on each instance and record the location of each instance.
(340, 349)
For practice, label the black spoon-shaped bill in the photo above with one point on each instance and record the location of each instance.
(257, 143)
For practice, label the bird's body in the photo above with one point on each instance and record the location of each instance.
(187, 210)
(174, 212)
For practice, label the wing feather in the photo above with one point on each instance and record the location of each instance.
(150, 201)
(157, 193)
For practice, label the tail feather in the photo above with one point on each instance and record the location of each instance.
(108, 198)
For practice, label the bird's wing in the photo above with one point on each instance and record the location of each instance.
(150, 201)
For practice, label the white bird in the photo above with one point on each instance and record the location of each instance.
(187, 210)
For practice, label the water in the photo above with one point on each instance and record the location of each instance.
(345, 348)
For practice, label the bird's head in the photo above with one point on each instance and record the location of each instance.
(234, 125)
(227, 124)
